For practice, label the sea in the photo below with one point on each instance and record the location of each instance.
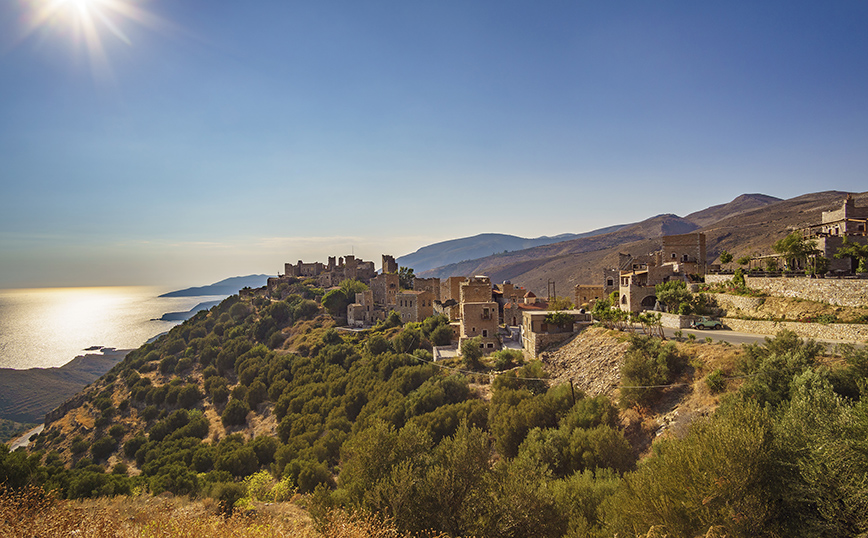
(48, 327)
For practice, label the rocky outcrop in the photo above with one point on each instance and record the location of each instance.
(591, 360)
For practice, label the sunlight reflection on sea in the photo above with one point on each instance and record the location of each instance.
(48, 327)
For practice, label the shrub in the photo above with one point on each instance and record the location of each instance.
(442, 335)
(507, 358)
(117, 431)
(647, 364)
(471, 353)
(235, 413)
(715, 381)
(103, 447)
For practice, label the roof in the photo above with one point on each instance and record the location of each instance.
(530, 294)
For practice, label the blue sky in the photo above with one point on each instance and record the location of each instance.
(215, 138)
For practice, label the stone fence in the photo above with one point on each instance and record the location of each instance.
(850, 332)
(736, 302)
(673, 321)
(840, 292)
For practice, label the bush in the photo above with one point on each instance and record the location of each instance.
(117, 431)
(715, 381)
(646, 366)
(733, 473)
(507, 358)
(103, 447)
(471, 353)
(235, 413)
(442, 335)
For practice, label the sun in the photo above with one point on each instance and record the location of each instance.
(89, 24)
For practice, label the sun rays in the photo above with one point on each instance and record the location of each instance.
(90, 26)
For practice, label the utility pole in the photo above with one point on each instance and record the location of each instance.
(551, 290)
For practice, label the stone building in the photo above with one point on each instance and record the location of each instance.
(848, 222)
(385, 289)
(479, 319)
(364, 311)
(475, 289)
(687, 251)
(536, 334)
(303, 270)
(414, 305)
(428, 284)
(389, 264)
(586, 295)
(681, 256)
(513, 312)
(450, 297)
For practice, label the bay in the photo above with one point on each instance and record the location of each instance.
(48, 327)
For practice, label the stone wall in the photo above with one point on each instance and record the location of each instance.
(731, 303)
(831, 331)
(534, 343)
(840, 292)
(674, 321)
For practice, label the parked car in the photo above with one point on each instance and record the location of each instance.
(705, 323)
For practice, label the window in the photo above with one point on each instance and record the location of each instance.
(486, 313)
(490, 345)
(485, 333)
(673, 255)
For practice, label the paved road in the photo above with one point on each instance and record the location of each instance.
(723, 335)
(736, 338)
(24, 440)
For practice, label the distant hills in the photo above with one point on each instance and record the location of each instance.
(27, 395)
(229, 286)
(183, 316)
(747, 225)
(478, 246)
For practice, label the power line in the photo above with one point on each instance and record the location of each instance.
(495, 374)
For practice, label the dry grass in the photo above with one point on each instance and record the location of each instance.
(30, 513)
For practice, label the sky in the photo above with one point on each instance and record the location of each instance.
(180, 142)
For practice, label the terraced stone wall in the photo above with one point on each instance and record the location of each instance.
(840, 292)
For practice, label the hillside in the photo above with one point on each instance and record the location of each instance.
(741, 204)
(513, 265)
(226, 286)
(27, 395)
(478, 246)
(262, 397)
(738, 229)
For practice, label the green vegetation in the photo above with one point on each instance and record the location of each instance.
(366, 423)
(560, 303)
(856, 252)
(406, 278)
(795, 248)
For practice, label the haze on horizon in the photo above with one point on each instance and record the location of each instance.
(181, 142)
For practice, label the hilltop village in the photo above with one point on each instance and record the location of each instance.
(329, 385)
(506, 315)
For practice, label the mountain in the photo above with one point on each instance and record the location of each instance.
(27, 395)
(182, 316)
(478, 246)
(748, 225)
(742, 204)
(229, 286)
(509, 266)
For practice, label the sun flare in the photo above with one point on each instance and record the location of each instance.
(89, 24)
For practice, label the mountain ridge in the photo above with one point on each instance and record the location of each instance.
(484, 244)
(735, 227)
(227, 286)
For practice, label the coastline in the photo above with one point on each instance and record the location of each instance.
(28, 395)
